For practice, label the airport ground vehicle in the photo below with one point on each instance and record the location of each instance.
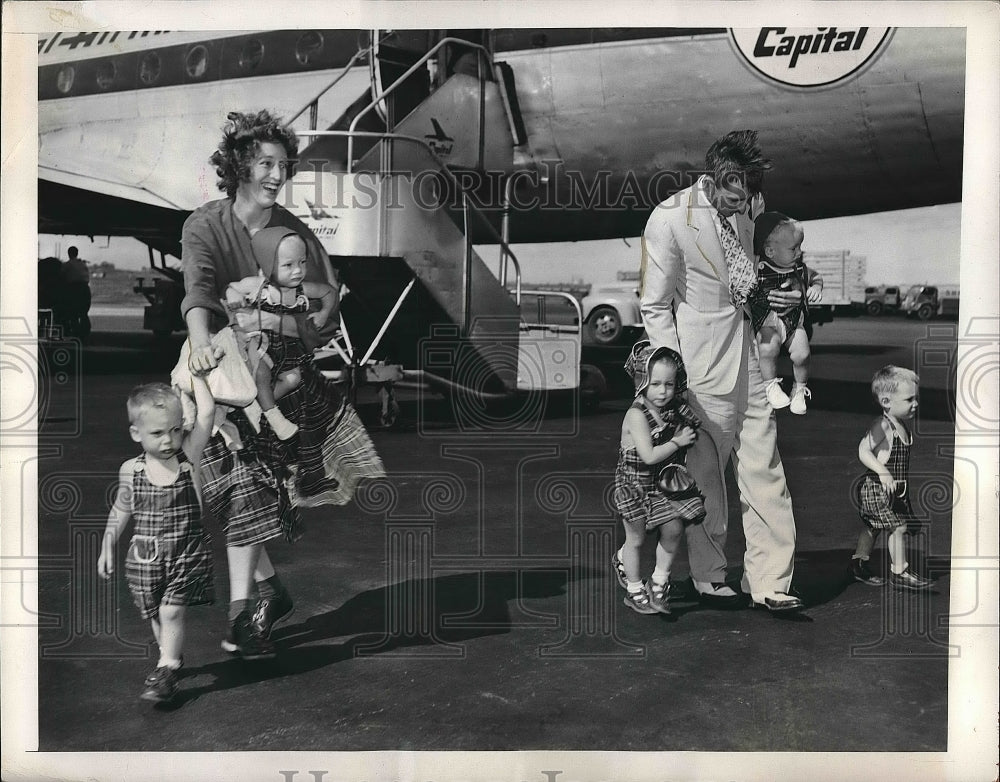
(611, 311)
(882, 299)
(930, 301)
(843, 284)
(162, 315)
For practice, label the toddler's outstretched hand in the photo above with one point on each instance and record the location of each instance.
(814, 294)
(685, 437)
(106, 562)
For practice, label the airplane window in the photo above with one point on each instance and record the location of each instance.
(149, 68)
(252, 54)
(105, 75)
(196, 62)
(308, 46)
(64, 81)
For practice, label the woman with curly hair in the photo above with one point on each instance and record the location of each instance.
(244, 478)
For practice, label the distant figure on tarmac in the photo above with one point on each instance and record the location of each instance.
(697, 277)
(51, 293)
(777, 244)
(76, 279)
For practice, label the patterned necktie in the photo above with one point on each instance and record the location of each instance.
(742, 278)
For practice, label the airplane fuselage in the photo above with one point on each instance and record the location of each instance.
(615, 120)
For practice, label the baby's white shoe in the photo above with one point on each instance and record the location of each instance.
(798, 401)
(775, 396)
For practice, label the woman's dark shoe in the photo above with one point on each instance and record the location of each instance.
(271, 610)
(244, 640)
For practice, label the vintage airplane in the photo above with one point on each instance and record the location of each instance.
(127, 120)
(555, 134)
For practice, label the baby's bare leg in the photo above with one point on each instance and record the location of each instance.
(769, 347)
(262, 379)
(799, 353)
(287, 381)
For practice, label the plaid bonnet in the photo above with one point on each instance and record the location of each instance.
(643, 355)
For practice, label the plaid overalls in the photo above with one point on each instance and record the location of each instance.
(169, 559)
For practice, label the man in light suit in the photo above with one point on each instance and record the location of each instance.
(697, 270)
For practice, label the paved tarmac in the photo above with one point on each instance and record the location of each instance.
(467, 602)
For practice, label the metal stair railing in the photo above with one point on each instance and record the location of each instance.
(481, 50)
(468, 209)
(313, 105)
(467, 206)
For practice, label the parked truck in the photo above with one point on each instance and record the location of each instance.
(883, 299)
(930, 301)
(843, 284)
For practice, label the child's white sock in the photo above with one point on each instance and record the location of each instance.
(900, 569)
(660, 577)
(282, 427)
(169, 663)
(634, 586)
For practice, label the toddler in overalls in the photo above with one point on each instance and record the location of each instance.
(653, 489)
(883, 494)
(169, 562)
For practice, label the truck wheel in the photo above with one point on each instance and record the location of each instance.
(874, 308)
(606, 325)
(593, 387)
(925, 312)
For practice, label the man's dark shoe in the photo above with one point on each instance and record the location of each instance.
(780, 602)
(861, 572)
(725, 602)
(908, 580)
(160, 686)
(244, 640)
(271, 610)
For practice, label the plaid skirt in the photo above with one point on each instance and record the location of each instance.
(246, 496)
(332, 452)
(639, 500)
(877, 509)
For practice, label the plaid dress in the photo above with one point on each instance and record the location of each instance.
(169, 560)
(877, 509)
(637, 496)
(769, 279)
(245, 494)
(332, 453)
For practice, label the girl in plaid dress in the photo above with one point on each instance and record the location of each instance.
(883, 496)
(658, 428)
(169, 563)
(332, 452)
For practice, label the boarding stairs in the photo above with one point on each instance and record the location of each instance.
(398, 225)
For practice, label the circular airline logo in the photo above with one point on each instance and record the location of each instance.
(809, 56)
